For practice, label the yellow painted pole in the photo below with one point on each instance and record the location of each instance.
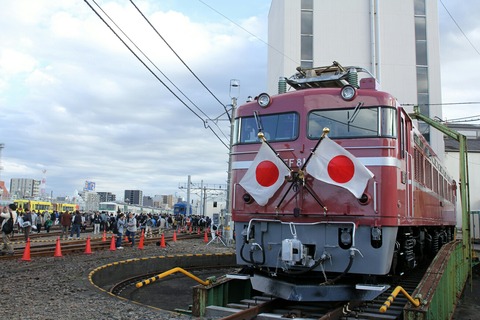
(169, 272)
(399, 289)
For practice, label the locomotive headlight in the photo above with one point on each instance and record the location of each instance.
(263, 100)
(376, 237)
(348, 92)
(376, 233)
(247, 198)
(345, 237)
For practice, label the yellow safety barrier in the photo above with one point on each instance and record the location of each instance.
(172, 271)
(415, 302)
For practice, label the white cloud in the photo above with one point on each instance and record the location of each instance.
(76, 102)
(79, 105)
(13, 62)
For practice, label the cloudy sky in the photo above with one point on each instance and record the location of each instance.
(76, 103)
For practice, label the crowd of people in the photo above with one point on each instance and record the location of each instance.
(74, 223)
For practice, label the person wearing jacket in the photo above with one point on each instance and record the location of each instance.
(7, 247)
(131, 228)
(65, 221)
(96, 220)
(76, 225)
(27, 224)
(120, 227)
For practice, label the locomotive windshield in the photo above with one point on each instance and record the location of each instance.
(276, 127)
(353, 123)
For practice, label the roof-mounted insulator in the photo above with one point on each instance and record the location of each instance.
(282, 85)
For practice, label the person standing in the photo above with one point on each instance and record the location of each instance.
(103, 221)
(34, 220)
(96, 223)
(65, 221)
(120, 227)
(131, 228)
(19, 222)
(27, 224)
(149, 226)
(8, 213)
(40, 220)
(48, 222)
(76, 224)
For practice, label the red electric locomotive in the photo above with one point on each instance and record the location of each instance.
(334, 188)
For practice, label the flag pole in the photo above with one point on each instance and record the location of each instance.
(261, 136)
(324, 134)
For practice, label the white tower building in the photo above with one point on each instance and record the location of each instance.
(396, 40)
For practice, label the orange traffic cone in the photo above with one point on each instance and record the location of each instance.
(198, 230)
(174, 236)
(162, 242)
(26, 252)
(205, 237)
(104, 237)
(140, 244)
(112, 244)
(58, 249)
(88, 249)
(125, 238)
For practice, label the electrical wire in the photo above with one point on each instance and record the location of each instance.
(459, 28)
(253, 35)
(455, 120)
(179, 58)
(439, 104)
(163, 74)
(463, 120)
(152, 72)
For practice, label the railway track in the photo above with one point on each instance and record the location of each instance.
(46, 244)
(260, 307)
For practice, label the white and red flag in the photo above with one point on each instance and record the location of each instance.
(332, 164)
(265, 176)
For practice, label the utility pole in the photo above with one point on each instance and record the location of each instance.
(233, 92)
(204, 192)
(188, 196)
(2, 145)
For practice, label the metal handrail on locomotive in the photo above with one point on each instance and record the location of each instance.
(302, 234)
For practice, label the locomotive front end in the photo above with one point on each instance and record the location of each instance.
(328, 196)
(306, 209)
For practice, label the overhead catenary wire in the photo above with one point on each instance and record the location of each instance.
(459, 28)
(461, 119)
(152, 72)
(163, 74)
(179, 58)
(250, 33)
(158, 69)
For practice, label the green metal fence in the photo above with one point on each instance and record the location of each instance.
(442, 285)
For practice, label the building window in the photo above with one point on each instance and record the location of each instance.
(419, 7)
(306, 30)
(421, 55)
(307, 4)
(421, 52)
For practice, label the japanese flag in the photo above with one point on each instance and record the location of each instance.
(333, 164)
(265, 175)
